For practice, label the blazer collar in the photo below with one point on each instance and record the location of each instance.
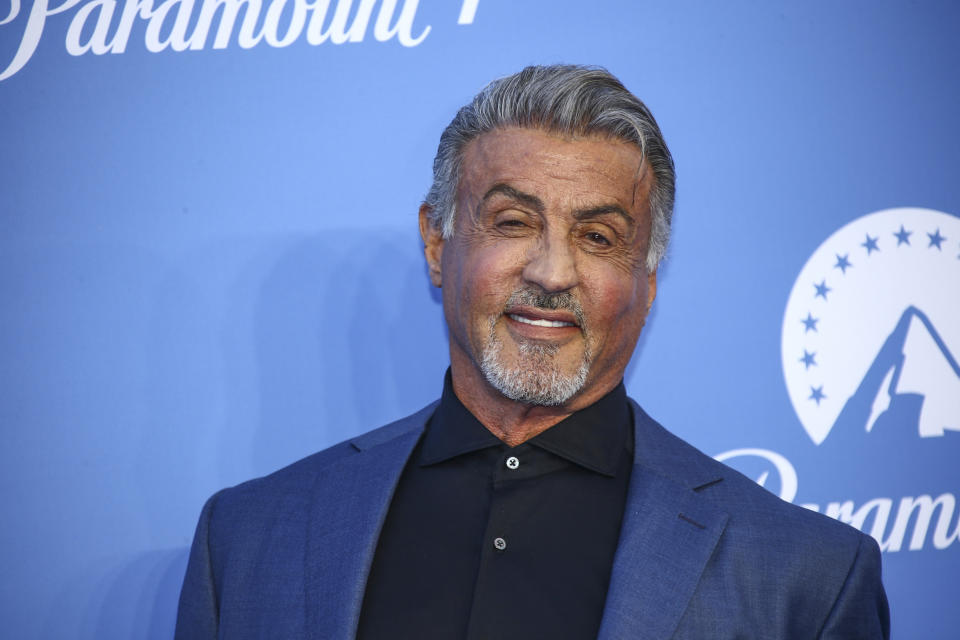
(349, 504)
(668, 534)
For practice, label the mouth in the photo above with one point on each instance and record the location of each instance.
(540, 322)
(536, 318)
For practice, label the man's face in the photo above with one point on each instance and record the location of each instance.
(545, 286)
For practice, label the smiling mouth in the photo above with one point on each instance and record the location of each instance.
(540, 322)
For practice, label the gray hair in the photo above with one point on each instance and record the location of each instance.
(570, 100)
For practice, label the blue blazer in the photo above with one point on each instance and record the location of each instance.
(704, 552)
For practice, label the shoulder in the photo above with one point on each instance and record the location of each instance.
(289, 489)
(811, 571)
(747, 503)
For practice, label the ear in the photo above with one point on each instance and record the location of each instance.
(651, 289)
(432, 245)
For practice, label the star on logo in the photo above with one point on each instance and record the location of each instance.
(816, 393)
(843, 263)
(935, 239)
(809, 323)
(808, 359)
(903, 236)
(822, 290)
(870, 244)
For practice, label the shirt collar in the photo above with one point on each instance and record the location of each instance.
(594, 437)
(453, 430)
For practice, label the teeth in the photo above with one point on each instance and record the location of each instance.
(541, 323)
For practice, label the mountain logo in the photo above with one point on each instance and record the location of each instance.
(871, 331)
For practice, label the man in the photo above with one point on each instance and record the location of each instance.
(535, 500)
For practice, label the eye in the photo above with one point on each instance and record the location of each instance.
(512, 226)
(597, 238)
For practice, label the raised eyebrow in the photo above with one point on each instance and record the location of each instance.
(527, 199)
(596, 212)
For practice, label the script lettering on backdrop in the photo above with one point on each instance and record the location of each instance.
(890, 532)
(104, 26)
(869, 342)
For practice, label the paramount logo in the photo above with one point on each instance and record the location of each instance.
(104, 26)
(868, 341)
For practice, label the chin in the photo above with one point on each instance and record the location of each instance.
(536, 374)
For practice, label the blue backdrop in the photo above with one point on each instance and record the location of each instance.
(209, 256)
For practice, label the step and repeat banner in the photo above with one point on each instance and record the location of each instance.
(210, 264)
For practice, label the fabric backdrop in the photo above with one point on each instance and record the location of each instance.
(210, 267)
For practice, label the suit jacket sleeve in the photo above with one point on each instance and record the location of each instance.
(861, 609)
(198, 611)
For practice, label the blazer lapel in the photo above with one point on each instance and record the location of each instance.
(350, 501)
(668, 534)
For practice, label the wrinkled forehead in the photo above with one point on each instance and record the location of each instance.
(593, 169)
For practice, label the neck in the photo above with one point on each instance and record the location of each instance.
(511, 421)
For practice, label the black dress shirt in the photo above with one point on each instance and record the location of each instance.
(487, 541)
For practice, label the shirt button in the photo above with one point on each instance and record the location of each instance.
(499, 544)
(512, 462)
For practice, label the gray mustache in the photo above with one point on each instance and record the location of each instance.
(549, 301)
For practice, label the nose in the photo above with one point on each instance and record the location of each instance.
(551, 264)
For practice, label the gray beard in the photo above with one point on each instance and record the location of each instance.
(536, 378)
